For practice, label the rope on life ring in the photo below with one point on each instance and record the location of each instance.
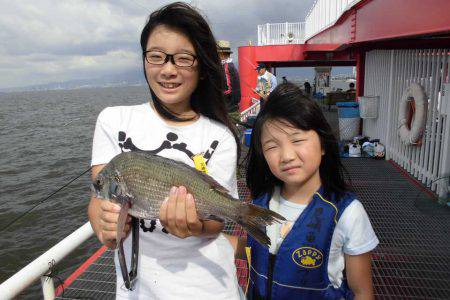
(412, 115)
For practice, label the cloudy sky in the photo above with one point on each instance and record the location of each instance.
(44, 41)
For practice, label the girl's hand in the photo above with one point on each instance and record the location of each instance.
(178, 214)
(109, 216)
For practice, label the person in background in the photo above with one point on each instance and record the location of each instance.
(232, 85)
(351, 87)
(266, 82)
(307, 86)
(180, 256)
(351, 92)
(294, 169)
(284, 79)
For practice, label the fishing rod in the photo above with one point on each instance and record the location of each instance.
(43, 200)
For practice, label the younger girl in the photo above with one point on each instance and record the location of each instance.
(180, 256)
(295, 170)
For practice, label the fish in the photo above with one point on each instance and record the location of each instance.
(140, 181)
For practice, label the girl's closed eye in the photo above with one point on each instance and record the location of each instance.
(298, 141)
(270, 147)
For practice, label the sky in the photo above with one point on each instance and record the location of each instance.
(43, 41)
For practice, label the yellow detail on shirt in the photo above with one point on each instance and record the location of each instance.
(200, 163)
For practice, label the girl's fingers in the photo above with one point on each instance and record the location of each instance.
(108, 217)
(180, 212)
(163, 212)
(171, 208)
(195, 226)
(109, 235)
(108, 206)
(106, 226)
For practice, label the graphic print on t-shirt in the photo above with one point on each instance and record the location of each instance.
(127, 144)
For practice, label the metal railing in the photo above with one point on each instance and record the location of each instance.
(325, 13)
(281, 33)
(43, 265)
(253, 110)
(387, 74)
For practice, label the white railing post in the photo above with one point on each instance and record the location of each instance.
(259, 35)
(388, 149)
(445, 165)
(43, 264)
(325, 13)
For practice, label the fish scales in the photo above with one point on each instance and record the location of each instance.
(149, 180)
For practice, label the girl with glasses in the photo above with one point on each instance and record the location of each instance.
(181, 257)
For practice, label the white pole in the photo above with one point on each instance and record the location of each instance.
(40, 266)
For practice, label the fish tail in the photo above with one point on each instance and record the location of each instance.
(254, 219)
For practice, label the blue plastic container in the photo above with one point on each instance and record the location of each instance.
(348, 109)
(348, 113)
(248, 136)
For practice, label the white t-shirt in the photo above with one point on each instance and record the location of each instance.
(352, 235)
(170, 267)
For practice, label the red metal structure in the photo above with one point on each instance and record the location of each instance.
(300, 55)
(368, 24)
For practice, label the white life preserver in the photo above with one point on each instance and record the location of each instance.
(412, 136)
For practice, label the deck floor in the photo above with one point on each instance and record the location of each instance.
(411, 262)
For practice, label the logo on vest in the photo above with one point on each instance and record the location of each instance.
(307, 257)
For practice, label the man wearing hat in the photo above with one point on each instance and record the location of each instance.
(232, 85)
(266, 82)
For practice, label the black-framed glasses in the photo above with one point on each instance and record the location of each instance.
(155, 57)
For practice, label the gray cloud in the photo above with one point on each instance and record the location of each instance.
(46, 40)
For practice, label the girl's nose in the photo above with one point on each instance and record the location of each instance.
(287, 154)
(168, 69)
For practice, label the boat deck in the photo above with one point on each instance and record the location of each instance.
(411, 262)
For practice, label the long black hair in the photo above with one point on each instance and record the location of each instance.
(287, 104)
(208, 98)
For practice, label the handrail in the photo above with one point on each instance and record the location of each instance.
(42, 265)
(324, 13)
(252, 110)
(281, 33)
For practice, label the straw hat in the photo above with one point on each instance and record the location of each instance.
(223, 46)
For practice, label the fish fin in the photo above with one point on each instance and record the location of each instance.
(254, 219)
(123, 265)
(214, 218)
(123, 214)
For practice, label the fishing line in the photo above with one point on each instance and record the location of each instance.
(43, 200)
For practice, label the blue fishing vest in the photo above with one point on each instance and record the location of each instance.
(299, 270)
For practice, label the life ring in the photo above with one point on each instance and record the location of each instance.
(412, 115)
